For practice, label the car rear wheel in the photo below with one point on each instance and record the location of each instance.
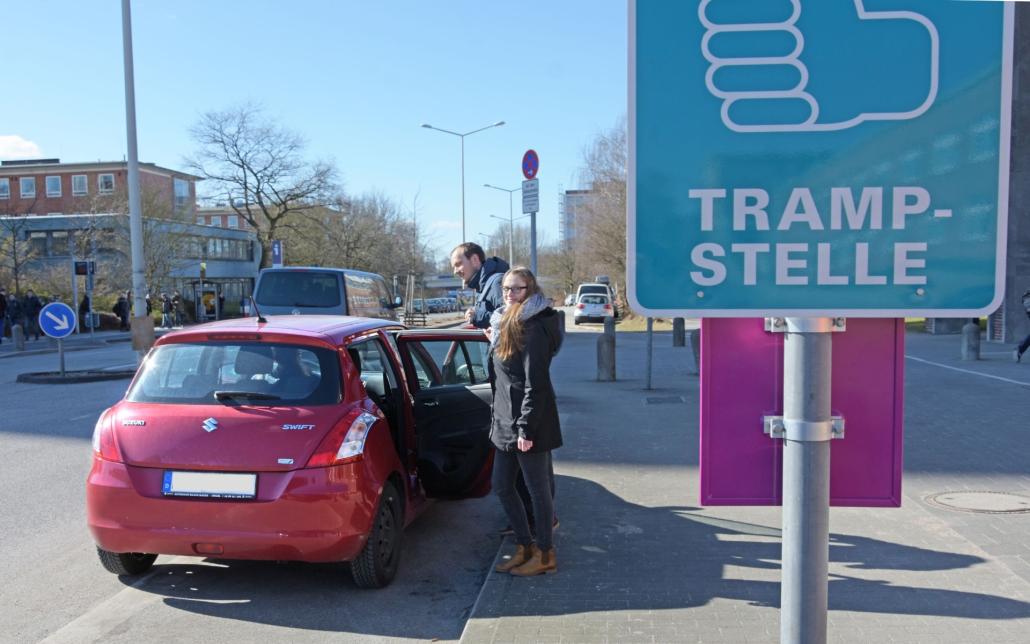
(126, 563)
(377, 564)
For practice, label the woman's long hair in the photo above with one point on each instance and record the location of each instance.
(510, 341)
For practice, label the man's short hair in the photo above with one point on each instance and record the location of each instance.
(468, 249)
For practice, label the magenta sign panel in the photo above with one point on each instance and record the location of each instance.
(742, 381)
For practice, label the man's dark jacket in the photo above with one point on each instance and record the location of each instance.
(529, 410)
(487, 284)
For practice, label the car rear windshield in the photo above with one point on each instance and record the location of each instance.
(299, 289)
(593, 288)
(594, 299)
(262, 374)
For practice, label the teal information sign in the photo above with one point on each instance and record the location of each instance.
(818, 157)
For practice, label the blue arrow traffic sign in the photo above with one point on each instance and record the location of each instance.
(57, 320)
(814, 158)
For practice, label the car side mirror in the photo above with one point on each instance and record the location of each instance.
(398, 301)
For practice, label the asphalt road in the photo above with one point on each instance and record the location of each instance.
(53, 588)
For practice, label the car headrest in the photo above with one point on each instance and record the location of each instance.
(253, 360)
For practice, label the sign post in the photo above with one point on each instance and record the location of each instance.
(860, 171)
(277, 253)
(531, 199)
(57, 320)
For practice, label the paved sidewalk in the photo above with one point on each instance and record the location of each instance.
(639, 561)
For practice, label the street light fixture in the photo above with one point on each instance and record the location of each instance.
(462, 135)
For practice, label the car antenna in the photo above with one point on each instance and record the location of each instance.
(260, 318)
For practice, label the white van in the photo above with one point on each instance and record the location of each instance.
(313, 290)
(597, 288)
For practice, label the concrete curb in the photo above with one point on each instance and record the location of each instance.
(72, 377)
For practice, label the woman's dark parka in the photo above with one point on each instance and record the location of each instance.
(524, 400)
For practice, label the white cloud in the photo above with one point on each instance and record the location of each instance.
(13, 146)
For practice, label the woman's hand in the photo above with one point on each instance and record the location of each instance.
(525, 444)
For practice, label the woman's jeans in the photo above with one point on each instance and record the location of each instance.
(535, 468)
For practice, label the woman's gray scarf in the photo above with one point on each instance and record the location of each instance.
(533, 305)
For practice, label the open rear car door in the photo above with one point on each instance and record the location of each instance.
(447, 371)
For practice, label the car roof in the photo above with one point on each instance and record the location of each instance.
(331, 328)
(323, 269)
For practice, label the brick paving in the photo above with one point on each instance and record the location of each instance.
(640, 561)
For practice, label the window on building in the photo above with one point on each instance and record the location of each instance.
(181, 187)
(233, 221)
(27, 187)
(59, 242)
(37, 243)
(216, 220)
(53, 214)
(105, 184)
(53, 186)
(79, 186)
(5, 188)
(201, 221)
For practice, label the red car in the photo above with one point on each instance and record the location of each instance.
(304, 438)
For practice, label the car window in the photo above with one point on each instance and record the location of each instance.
(283, 374)
(377, 374)
(479, 356)
(593, 288)
(299, 289)
(441, 363)
(593, 299)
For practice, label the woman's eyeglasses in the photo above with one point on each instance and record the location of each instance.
(509, 289)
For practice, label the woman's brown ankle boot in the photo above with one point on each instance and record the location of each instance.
(542, 562)
(521, 556)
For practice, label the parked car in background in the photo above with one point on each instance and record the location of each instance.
(570, 299)
(593, 307)
(602, 288)
(289, 438)
(300, 290)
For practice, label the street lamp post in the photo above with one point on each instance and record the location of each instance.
(511, 219)
(462, 135)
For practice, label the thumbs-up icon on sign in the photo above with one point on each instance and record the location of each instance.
(756, 52)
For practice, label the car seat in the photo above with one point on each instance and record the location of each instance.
(254, 364)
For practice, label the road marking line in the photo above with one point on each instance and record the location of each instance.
(970, 371)
(96, 623)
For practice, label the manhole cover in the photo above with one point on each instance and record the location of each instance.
(985, 502)
(663, 400)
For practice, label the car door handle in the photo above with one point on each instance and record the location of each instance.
(430, 403)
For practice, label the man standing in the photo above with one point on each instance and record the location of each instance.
(484, 277)
(30, 309)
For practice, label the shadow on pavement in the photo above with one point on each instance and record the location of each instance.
(615, 555)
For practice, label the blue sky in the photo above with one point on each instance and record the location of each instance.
(355, 77)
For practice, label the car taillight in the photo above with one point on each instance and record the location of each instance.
(105, 445)
(581, 306)
(346, 442)
(607, 307)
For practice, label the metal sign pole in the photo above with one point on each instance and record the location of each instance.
(808, 429)
(60, 354)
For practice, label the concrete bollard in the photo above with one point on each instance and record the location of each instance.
(606, 352)
(678, 332)
(971, 340)
(695, 346)
(18, 337)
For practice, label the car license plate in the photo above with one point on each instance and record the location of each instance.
(213, 485)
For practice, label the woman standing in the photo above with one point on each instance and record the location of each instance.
(524, 334)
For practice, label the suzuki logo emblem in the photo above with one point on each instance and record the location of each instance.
(210, 425)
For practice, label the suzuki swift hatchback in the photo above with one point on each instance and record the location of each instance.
(305, 438)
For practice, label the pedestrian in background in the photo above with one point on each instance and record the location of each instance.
(177, 308)
(524, 427)
(31, 306)
(1025, 344)
(166, 311)
(121, 309)
(15, 312)
(3, 313)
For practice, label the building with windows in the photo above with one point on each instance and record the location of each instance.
(54, 213)
(48, 187)
(572, 209)
(220, 217)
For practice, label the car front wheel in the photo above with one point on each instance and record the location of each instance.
(377, 564)
(126, 563)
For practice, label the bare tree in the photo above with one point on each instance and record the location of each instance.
(258, 168)
(602, 245)
(16, 252)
